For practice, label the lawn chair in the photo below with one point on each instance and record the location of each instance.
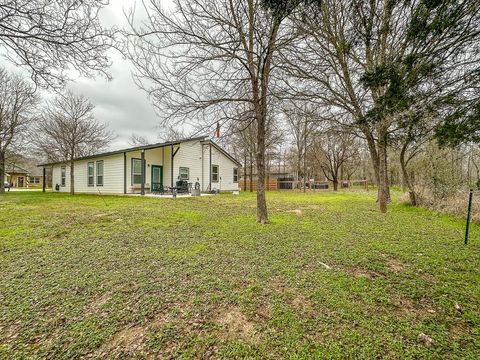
(182, 187)
(157, 188)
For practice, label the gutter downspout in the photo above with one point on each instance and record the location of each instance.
(210, 167)
(201, 186)
(171, 165)
(142, 188)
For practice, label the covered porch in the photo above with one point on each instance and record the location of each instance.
(163, 169)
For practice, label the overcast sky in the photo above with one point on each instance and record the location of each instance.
(118, 102)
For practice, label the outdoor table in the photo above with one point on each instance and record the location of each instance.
(173, 189)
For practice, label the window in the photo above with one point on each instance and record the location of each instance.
(90, 174)
(235, 175)
(215, 173)
(136, 171)
(183, 173)
(63, 175)
(34, 180)
(100, 173)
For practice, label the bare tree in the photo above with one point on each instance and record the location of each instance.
(17, 111)
(332, 149)
(69, 130)
(374, 60)
(302, 123)
(171, 133)
(208, 60)
(51, 37)
(138, 140)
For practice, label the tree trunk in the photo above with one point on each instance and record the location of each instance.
(383, 188)
(305, 175)
(406, 178)
(72, 178)
(2, 172)
(251, 173)
(372, 149)
(245, 172)
(335, 184)
(262, 215)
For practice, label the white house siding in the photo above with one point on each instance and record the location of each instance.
(226, 167)
(159, 156)
(189, 155)
(112, 175)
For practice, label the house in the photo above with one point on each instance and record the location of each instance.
(23, 173)
(16, 176)
(138, 169)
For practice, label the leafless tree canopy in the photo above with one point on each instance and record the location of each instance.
(332, 149)
(210, 61)
(138, 140)
(349, 53)
(69, 130)
(17, 110)
(51, 37)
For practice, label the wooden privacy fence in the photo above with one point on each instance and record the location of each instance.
(274, 184)
(269, 185)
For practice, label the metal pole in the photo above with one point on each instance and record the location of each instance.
(469, 213)
(124, 172)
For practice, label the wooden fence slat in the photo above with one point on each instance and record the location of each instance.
(269, 185)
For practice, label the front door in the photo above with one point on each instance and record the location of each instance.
(157, 177)
(20, 182)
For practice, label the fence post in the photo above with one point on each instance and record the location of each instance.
(469, 213)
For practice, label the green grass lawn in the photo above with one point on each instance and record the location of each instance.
(330, 277)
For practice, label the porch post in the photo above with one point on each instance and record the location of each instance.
(44, 180)
(142, 189)
(171, 165)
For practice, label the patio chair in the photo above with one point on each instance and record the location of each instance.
(182, 187)
(157, 188)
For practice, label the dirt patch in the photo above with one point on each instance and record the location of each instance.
(301, 303)
(393, 264)
(236, 325)
(460, 329)
(126, 341)
(359, 272)
(9, 333)
(405, 307)
(101, 215)
(297, 212)
(396, 266)
(263, 314)
(98, 302)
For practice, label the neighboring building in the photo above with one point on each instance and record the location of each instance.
(16, 176)
(123, 171)
(275, 178)
(25, 174)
